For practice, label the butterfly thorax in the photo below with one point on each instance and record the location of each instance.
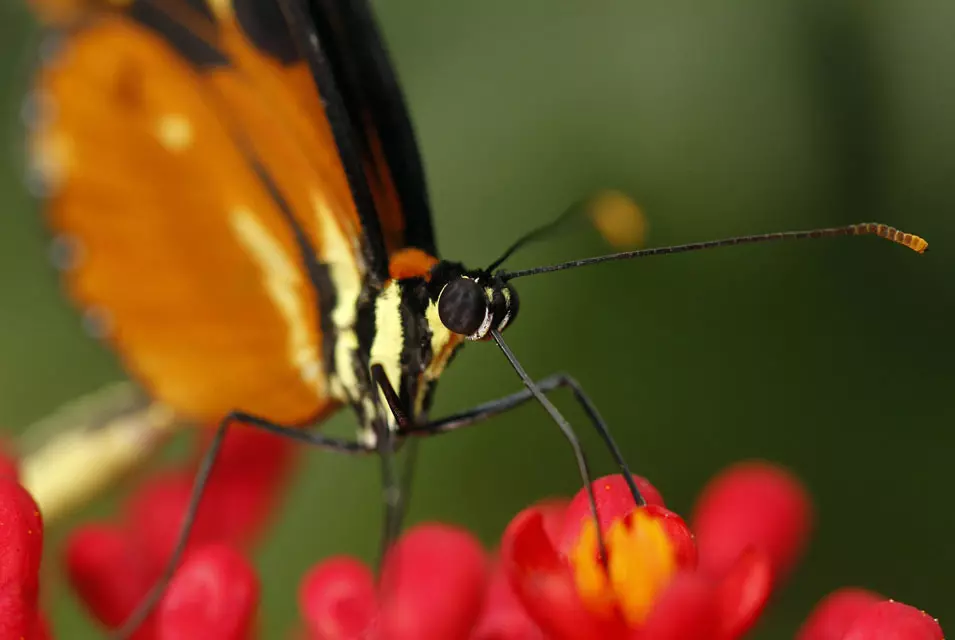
(411, 328)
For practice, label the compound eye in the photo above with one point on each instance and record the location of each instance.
(462, 306)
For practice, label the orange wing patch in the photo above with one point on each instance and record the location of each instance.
(182, 248)
(411, 263)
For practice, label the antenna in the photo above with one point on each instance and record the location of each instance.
(614, 214)
(536, 234)
(913, 242)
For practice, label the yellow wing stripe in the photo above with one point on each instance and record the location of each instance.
(284, 284)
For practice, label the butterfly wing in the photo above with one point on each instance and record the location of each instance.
(384, 132)
(209, 222)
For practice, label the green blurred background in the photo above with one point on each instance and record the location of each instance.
(720, 118)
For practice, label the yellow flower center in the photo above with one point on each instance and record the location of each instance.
(641, 562)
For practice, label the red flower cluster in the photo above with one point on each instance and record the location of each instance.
(112, 565)
(650, 579)
(657, 581)
(660, 582)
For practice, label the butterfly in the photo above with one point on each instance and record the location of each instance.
(241, 203)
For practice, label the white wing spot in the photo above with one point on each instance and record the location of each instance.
(174, 132)
(222, 9)
(51, 157)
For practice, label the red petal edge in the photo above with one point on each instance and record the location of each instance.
(21, 546)
(743, 593)
(213, 595)
(679, 534)
(687, 609)
(889, 620)
(337, 600)
(502, 616)
(108, 573)
(834, 615)
(752, 504)
(432, 584)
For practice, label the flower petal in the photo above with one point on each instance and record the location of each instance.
(246, 482)
(337, 600)
(889, 620)
(684, 544)
(743, 592)
(687, 609)
(21, 546)
(543, 583)
(249, 454)
(834, 615)
(752, 504)
(553, 512)
(109, 574)
(614, 501)
(432, 584)
(502, 616)
(213, 595)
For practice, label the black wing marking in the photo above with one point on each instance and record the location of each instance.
(309, 43)
(373, 98)
(172, 23)
(340, 42)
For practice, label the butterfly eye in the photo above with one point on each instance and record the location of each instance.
(462, 306)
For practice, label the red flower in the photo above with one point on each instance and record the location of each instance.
(551, 583)
(651, 586)
(431, 588)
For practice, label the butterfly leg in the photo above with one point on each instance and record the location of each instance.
(496, 407)
(395, 484)
(391, 489)
(206, 465)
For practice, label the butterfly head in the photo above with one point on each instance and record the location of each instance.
(471, 303)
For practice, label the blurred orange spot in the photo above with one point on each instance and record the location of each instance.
(618, 219)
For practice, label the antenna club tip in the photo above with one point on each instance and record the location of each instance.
(913, 242)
